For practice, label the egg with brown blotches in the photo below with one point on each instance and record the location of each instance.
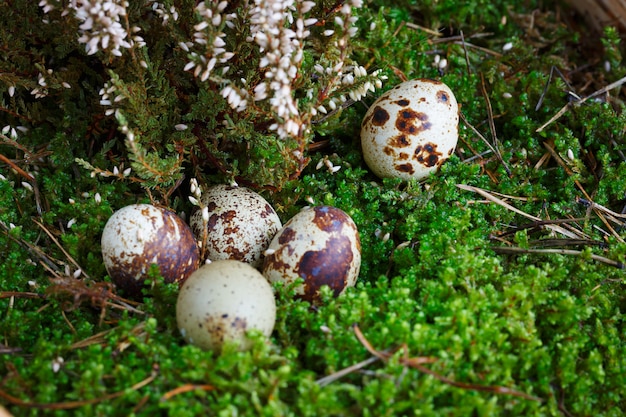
(320, 245)
(221, 302)
(239, 224)
(141, 235)
(411, 130)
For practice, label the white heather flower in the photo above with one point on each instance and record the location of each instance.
(165, 14)
(46, 6)
(270, 29)
(57, 363)
(236, 98)
(101, 27)
(207, 32)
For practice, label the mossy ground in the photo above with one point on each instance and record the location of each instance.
(461, 328)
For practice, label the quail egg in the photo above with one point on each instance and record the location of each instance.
(221, 302)
(411, 130)
(321, 245)
(140, 235)
(240, 224)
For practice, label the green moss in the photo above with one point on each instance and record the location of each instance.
(433, 282)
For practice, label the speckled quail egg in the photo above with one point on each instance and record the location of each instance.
(320, 245)
(221, 302)
(411, 130)
(239, 226)
(139, 235)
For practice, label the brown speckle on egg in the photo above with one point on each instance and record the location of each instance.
(380, 116)
(421, 113)
(240, 226)
(141, 235)
(443, 97)
(287, 235)
(400, 141)
(329, 266)
(427, 155)
(319, 245)
(405, 168)
(328, 219)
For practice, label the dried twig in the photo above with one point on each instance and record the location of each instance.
(518, 251)
(17, 169)
(568, 171)
(494, 199)
(492, 125)
(578, 102)
(56, 242)
(186, 388)
(76, 404)
(418, 362)
(345, 371)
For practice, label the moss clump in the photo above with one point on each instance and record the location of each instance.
(495, 287)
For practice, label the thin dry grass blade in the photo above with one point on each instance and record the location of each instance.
(494, 199)
(519, 251)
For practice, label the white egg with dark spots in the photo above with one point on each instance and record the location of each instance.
(221, 302)
(321, 245)
(141, 235)
(411, 130)
(240, 226)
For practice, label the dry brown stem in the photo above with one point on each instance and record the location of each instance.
(417, 363)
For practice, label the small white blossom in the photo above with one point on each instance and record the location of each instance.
(100, 27)
(56, 364)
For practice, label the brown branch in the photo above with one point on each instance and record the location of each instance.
(492, 125)
(571, 252)
(16, 168)
(75, 404)
(186, 388)
(577, 103)
(417, 364)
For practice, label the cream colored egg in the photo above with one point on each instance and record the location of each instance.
(221, 302)
(321, 245)
(141, 235)
(239, 226)
(411, 130)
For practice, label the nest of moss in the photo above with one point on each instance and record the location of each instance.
(495, 287)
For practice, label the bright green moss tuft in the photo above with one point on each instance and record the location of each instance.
(434, 281)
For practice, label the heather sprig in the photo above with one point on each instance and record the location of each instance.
(238, 90)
